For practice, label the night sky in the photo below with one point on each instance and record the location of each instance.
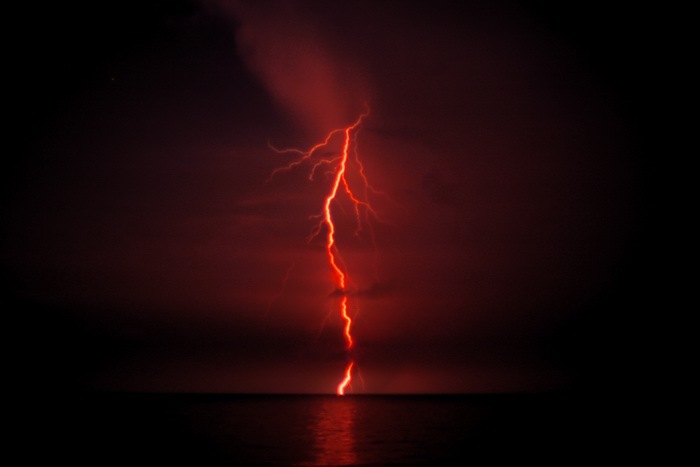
(144, 246)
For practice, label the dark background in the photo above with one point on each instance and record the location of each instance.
(109, 103)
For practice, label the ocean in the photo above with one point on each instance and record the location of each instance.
(313, 430)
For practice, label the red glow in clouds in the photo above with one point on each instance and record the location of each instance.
(339, 164)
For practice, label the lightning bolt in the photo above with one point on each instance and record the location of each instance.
(346, 380)
(338, 165)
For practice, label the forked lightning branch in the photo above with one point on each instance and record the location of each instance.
(337, 167)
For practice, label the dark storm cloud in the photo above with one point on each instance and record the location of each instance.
(378, 290)
(374, 291)
(284, 44)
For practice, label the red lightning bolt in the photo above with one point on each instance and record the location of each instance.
(340, 163)
(346, 380)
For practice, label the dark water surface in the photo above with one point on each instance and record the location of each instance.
(159, 429)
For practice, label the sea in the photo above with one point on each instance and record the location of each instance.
(314, 430)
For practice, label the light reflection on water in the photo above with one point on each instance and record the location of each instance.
(317, 430)
(366, 430)
(333, 432)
